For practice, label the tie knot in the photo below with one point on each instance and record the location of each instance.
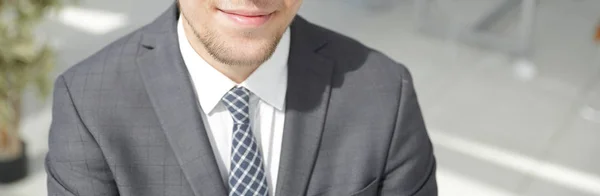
(237, 100)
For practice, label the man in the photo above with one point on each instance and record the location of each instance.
(237, 97)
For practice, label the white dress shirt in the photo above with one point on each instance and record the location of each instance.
(267, 85)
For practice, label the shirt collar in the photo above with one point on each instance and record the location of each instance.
(268, 81)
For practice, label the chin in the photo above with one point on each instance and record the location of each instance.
(245, 52)
(262, 34)
(252, 51)
(250, 41)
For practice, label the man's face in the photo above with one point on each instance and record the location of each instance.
(239, 32)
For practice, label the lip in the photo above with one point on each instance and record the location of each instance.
(246, 18)
(247, 13)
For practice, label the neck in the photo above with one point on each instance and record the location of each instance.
(236, 73)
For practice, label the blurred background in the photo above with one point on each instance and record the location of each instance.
(510, 89)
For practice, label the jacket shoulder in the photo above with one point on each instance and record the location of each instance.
(117, 56)
(352, 55)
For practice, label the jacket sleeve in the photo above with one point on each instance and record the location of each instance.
(411, 166)
(75, 164)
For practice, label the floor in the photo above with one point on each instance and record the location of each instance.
(501, 125)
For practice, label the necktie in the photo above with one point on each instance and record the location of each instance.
(247, 175)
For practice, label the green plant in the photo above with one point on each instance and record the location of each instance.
(24, 61)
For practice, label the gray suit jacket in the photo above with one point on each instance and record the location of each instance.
(127, 122)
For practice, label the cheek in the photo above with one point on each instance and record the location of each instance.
(195, 7)
(291, 8)
(293, 5)
(198, 12)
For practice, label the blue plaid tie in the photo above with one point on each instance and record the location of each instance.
(247, 175)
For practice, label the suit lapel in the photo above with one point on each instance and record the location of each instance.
(171, 93)
(307, 98)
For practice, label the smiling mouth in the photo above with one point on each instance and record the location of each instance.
(247, 17)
